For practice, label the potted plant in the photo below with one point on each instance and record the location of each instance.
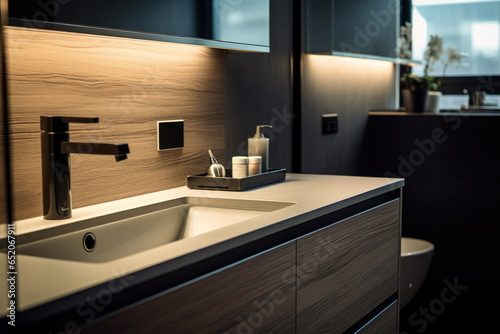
(454, 58)
(416, 89)
(421, 93)
(432, 54)
(415, 92)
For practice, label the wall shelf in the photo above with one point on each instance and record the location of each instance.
(147, 36)
(397, 61)
(365, 29)
(243, 26)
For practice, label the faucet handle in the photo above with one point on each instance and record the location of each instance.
(80, 119)
(60, 123)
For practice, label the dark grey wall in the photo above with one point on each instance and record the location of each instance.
(348, 87)
(259, 92)
(451, 168)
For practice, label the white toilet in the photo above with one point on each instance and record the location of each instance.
(416, 256)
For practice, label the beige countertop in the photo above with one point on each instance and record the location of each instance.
(41, 280)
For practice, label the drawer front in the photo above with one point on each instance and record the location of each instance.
(386, 322)
(346, 269)
(248, 297)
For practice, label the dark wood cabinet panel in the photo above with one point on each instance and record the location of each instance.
(251, 296)
(347, 269)
(385, 322)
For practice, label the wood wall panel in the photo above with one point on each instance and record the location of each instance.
(130, 85)
(3, 180)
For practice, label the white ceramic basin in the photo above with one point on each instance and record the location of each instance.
(128, 232)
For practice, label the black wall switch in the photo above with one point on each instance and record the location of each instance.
(170, 134)
(330, 123)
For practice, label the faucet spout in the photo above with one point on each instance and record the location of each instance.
(118, 150)
(120, 157)
(56, 150)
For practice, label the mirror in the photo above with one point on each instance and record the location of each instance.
(232, 24)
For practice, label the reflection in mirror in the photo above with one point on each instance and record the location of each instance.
(470, 54)
(469, 26)
(187, 21)
(246, 23)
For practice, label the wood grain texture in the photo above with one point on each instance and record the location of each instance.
(385, 322)
(130, 85)
(3, 180)
(347, 269)
(248, 297)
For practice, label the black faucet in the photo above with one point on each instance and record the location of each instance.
(56, 150)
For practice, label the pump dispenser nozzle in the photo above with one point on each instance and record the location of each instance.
(258, 145)
(258, 131)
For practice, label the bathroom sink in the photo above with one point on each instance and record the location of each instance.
(124, 233)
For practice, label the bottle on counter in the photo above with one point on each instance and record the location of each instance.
(240, 167)
(258, 145)
(254, 165)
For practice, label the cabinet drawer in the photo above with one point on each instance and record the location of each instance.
(347, 269)
(385, 322)
(248, 297)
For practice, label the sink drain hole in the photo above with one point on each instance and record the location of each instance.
(89, 241)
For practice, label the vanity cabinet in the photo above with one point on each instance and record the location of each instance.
(249, 296)
(385, 322)
(346, 270)
(338, 278)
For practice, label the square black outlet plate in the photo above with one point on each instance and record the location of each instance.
(170, 134)
(330, 124)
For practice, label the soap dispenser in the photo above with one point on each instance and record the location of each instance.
(258, 145)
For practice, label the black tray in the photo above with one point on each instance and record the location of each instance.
(202, 181)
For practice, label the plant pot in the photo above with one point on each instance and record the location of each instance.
(433, 102)
(415, 100)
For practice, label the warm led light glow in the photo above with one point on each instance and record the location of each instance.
(344, 85)
(352, 64)
(344, 72)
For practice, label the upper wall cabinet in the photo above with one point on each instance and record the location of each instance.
(231, 24)
(361, 28)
